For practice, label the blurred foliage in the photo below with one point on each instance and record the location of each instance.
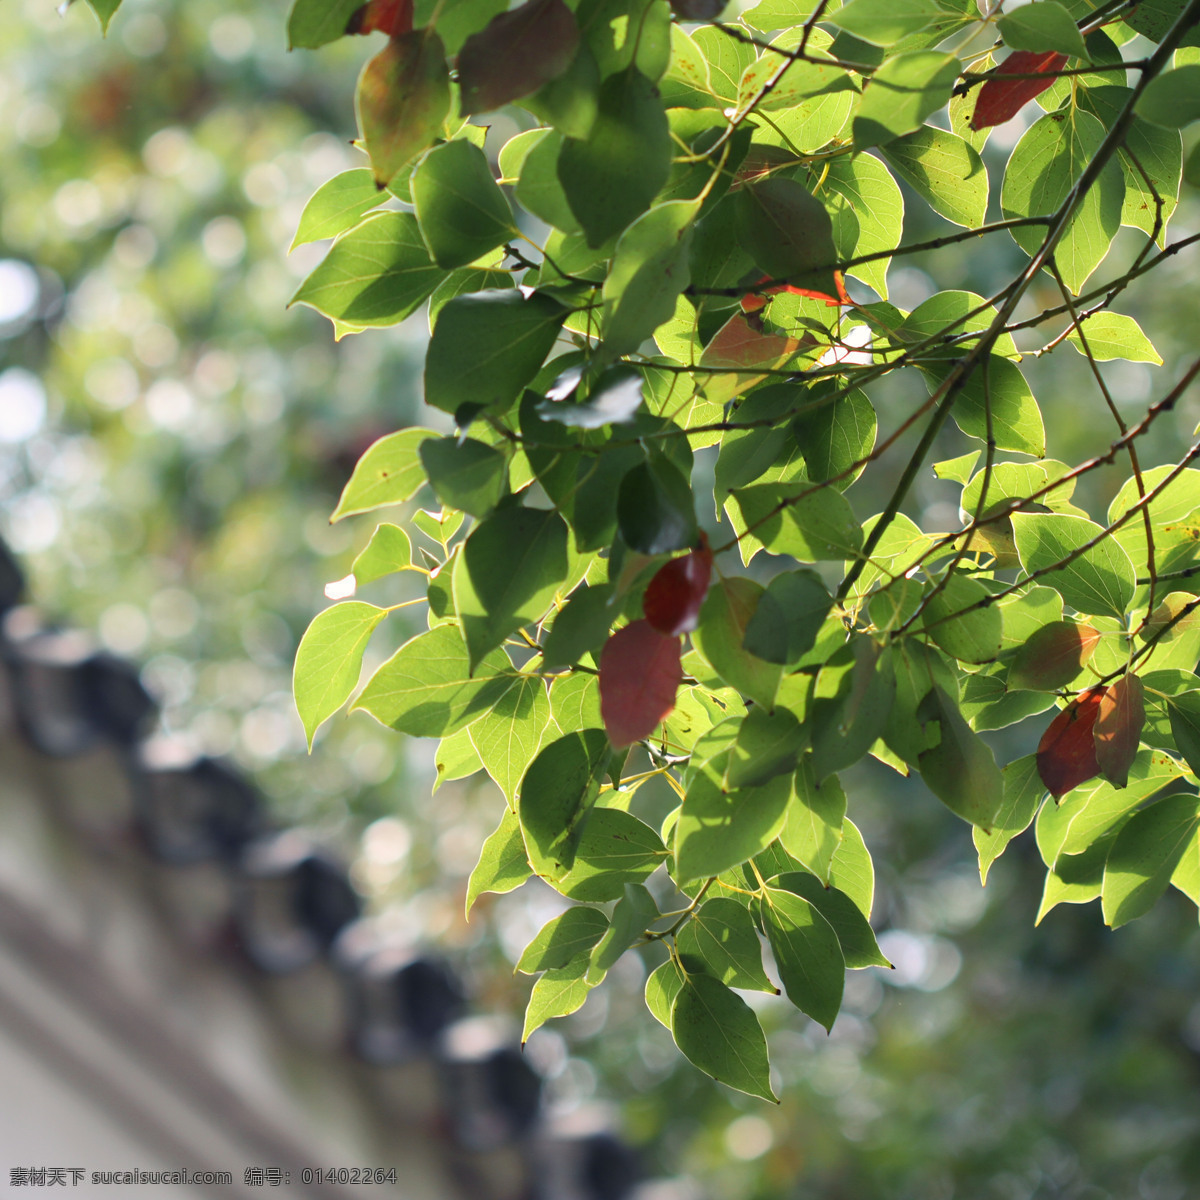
(172, 440)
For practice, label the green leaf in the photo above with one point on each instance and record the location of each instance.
(509, 337)
(565, 937)
(885, 22)
(807, 953)
(611, 177)
(718, 1032)
(539, 189)
(1156, 151)
(960, 770)
(427, 688)
(1016, 419)
(648, 273)
(1096, 810)
(719, 827)
(465, 474)
(655, 510)
(721, 935)
(314, 23)
(1172, 99)
(902, 93)
(853, 698)
(662, 986)
(575, 703)
(633, 912)
(329, 659)
(1173, 514)
(1145, 855)
(581, 626)
(557, 993)
(1042, 26)
(502, 863)
(788, 617)
(788, 233)
(1100, 581)
(508, 735)
(402, 98)
(388, 551)
(461, 211)
(767, 744)
(389, 472)
(511, 566)
(854, 933)
(975, 635)
(337, 205)
(377, 274)
(1044, 166)
(958, 470)
(943, 170)
(867, 209)
(557, 792)
(456, 759)
(1075, 878)
(796, 519)
(614, 849)
(1113, 335)
(1023, 792)
(812, 832)
(720, 636)
(833, 436)
(1184, 714)
(852, 870)
(953, 313)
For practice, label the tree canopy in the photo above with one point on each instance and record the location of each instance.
(717, 518)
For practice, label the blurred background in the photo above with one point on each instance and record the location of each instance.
(172, 440)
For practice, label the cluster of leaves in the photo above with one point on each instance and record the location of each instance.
(659, 268)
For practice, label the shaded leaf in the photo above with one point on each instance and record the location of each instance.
(807, 954)
(1023, 792)
(465, 474)
(960, 769)
(515, 54)
(718, 1032)
(462, 212)
(854, 933)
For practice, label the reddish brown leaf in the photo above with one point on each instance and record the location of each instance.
(1066, 755)
(1052, 657)
(403, 97)
(640, 673)
(515, 54)
(674, 596)
(392, 17)
(1001, 99)
(1119, 722)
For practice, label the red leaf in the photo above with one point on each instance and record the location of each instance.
(640, 672)
(674, 596)
(392, 17)
(1066, 755)
(515, 54)
(1001, 99)
(1119, 724)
